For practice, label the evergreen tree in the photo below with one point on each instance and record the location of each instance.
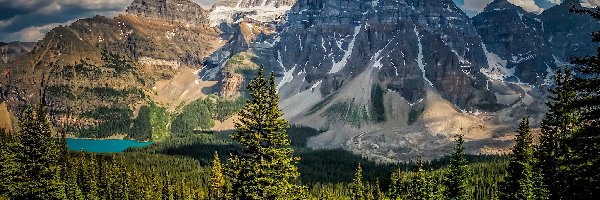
(395, 190)
(357, 189)
(9, 167)
(560, 123)
(217, 181)
(520, 183)
(40, 156)
(264, 166)
(455, 179)
(421, 188)
(583, 170)
(377, 193)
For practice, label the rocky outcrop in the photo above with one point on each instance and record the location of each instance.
(232, 84)
(176, 10)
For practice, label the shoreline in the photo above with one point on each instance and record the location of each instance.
(112, 137)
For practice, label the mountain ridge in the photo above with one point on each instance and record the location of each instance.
(375, 74)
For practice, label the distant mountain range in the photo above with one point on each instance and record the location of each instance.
(389, 79)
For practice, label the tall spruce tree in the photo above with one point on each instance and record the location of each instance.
(583, 171)
(9, 167)
(520, 183)
(357, 189)
(422, 187)
(264, 166)
(395, 188)
(455, 179)
(557, 127)
(40, 156)
(377, 193)
(217, 181)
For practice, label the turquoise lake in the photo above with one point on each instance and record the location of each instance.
(103, 146)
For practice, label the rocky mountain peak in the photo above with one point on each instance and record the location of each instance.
(234, 11)
(176, 10)
(498, 5)
(255, 3)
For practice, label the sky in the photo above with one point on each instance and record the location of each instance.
(30, 20)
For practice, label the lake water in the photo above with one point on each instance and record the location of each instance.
(103, 146)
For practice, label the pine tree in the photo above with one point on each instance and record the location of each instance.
(560, 123)
(455, 179)
(264, 166)
(87, 177)
(377, 193)
(357, 189)
(9, 167)
(520, 181)
(395, 190)
(40, 156)
(421, 185)
(217, 181)
(583, 171)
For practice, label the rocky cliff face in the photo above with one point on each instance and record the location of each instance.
(234, 11)
(409, 46)
(176, 10)
(568, 34)
(517, 38)
(527, 47)
(254, 3)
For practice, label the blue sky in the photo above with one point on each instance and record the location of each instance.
(29, 20)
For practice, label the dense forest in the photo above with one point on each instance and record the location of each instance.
(265, 158)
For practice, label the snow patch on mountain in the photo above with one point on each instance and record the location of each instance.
(497, 69)
(288, 76)
(338, 66)
(265, 13)
(420, 56)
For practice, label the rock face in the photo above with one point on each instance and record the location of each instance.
(232, 83)
(265, 11)
(517, 37)
(410, 46)
(10, 51)
(255, 3)
(177, 10)
(528, 47)
(569, 34)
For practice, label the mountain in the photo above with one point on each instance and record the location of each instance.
(96, 73)
(528, 47)
(12, 50)
(387, 79)
(516, 39)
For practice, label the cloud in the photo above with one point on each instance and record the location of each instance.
(475, 5)
(555, 1)
(34, 33)
(205, 3)
(29, 20)
(590, 3)
(528, 5)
